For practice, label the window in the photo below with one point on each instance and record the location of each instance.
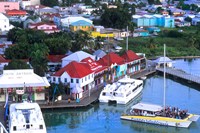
(59, 80)
(77, 80)
(89, 77)
(82, 80)
(85, 78)
(71, 80)
(65, 80)
(54, 79)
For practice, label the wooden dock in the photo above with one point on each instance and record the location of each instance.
(180, 74)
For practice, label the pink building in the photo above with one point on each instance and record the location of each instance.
(8, 6)
(46, 27)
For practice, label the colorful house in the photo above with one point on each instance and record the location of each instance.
(98, 69)
(153, 20)
(133, 61)
(116, 65)
(8, 6)
(68, 20)
(81, 25)
(46, 27)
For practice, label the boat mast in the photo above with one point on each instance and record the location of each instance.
(164, 79)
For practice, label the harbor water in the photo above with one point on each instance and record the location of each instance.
(105, 118)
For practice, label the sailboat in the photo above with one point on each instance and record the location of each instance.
(160, 115)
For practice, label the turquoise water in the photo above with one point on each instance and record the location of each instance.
(104, 118)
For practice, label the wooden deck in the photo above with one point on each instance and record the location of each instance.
(180, 74)
(73, 104)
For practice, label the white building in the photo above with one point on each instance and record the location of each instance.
(66, 21)
(77, 75)
(77, 56)
(21, 84)
(4, 23)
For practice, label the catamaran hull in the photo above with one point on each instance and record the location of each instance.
(158, 121)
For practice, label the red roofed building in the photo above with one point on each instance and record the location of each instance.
(134, 62)
(16, 12)
(117, 65)
(46, 27)
(55, 62)
(79, 76)
(3, 62)
(98, 69)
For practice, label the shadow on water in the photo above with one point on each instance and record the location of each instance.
(182, 82)
(72, 117)
(151, 128)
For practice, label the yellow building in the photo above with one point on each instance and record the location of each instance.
(96, 34)
(81, 25)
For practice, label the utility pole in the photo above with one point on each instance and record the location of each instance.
(127, 39)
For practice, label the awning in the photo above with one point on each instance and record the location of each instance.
(22, 78)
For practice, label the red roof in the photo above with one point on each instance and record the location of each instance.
(56, 58)
(75, 70)
(16, 12)
(130, 56)
(3, 60)
(111, 58)
(94, 66)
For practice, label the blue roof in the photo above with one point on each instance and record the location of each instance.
(81, 23)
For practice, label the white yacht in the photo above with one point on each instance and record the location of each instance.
(26, 117)
(121, 91)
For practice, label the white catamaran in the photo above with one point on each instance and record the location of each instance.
(26, 118)
(156, 114)
(122, 91)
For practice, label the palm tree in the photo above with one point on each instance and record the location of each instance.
(38, 58)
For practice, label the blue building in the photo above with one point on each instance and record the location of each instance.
(153, 20)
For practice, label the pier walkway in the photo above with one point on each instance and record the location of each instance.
(180, 74)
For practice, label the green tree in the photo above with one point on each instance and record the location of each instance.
(80, 40)
(38, 58)
(58, 45)
(115, 18)
(49, 3)
(16, 64)
(188, 19)
(16, 34)
(35, 36)
(19, 51)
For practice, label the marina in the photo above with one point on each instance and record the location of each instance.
(108, 114)
(106, 118)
